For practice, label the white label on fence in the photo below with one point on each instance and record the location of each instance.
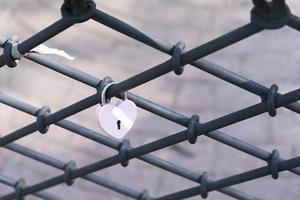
(43, 49)
(116, 120)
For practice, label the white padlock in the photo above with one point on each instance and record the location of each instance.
(116, 119)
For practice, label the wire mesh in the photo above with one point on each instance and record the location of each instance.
(264, 15)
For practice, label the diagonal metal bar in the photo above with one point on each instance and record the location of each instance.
(119, 88)
(58, 164)
(42, 195)
(90, 134)
(211, 68)
(42, 36)
(233, 180)
(155, 108)
(218, 123)
(187, 57)
(55, 117)
(294, 22)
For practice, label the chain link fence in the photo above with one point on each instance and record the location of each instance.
(264, 15)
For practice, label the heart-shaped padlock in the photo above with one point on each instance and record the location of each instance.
(116, 119)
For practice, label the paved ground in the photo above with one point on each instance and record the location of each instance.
(268, 57)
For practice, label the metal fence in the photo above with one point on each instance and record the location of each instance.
(264, 15)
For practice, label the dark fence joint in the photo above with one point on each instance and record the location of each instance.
(73, 10)
(270, 15)
(144, 195)
(191, 131)
(100, 89)
(19, 185)
(8, 59)
(40, 120)
(204, 185)
(176, 60)
(69, 167)
(271, 100)
(273, 164)
(123, 148)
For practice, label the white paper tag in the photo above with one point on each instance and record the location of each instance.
(116, 120)
(43, 49)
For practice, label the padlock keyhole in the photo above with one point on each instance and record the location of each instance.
(119, 124)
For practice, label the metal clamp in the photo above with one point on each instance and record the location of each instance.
(40, 120)
(69, 167)
(123, 148)
(204, 185)
(191, 131)
(270, 15)
(273, 164)
(20, 184)
(176, 58)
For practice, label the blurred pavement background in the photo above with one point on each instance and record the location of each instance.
(268, 57)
